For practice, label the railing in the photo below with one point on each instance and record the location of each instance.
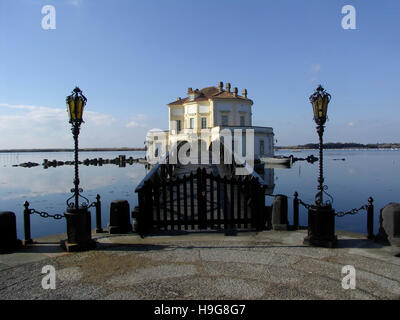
(162, 170)
(29, 211)
(369, 208)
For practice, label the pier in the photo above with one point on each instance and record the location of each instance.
(250, 265)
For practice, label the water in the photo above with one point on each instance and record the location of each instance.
(48, 189)
(364, 173)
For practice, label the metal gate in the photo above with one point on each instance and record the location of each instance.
(199, 201)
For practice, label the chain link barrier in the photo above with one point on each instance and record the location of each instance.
(338, 214)
(305, 205)
(44, 214)
(350, 212)
(28, 211)
(57, 216)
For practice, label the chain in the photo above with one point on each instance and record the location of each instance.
(46, 215)
(338, 214)
(57, 216)
(352, 211)
(93, 204)
(305, 205)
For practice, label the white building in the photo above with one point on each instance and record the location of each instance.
(206, 116)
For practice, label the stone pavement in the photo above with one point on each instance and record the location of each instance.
(250, 265)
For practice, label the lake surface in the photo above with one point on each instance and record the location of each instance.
(362, 174)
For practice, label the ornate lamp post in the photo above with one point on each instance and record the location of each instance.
(75, 105)
(321, 216)
(78, 217)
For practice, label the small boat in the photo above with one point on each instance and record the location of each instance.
(142, 160)
(278, 160)
(277, 166)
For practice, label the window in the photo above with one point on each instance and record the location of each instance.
(261, 147)
(224, 120)
(242, 122)
(178, 125)
(191, 123)
(157, 150)
(204, 123)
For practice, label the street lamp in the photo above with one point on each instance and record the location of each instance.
(321, 216)
(78, 217)
(75, 104)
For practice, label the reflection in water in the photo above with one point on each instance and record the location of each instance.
(351, 182)
(20, 183)
(120, 161)
(47, 190)
(8, 159)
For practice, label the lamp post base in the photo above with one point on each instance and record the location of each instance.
(321, 227)
(332, 243)
(78, 230)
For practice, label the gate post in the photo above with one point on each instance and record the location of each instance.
(201, 203)
(140, 213)
(255, 211)
(99, 229)
(370, 219)
(296, 211)
(27, 224)
(262, 215)
(147, 215)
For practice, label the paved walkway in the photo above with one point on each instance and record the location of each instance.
(264, 265)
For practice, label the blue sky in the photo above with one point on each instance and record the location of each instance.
(131, 58)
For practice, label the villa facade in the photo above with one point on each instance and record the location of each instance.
(208, 115)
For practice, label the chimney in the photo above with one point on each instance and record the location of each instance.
(235, 91)
(221, 86)
(244, 93)
(228, 87)
(179, 98)
(190, 90)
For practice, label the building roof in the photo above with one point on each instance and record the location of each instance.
(209, 93)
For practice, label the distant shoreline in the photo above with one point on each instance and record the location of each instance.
(350, 145)
(302, 149)
(71, 150)
(311, 146)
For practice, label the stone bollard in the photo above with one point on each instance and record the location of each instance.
(8, 232)
(280, 213)
(389, 225)
(119, 217)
